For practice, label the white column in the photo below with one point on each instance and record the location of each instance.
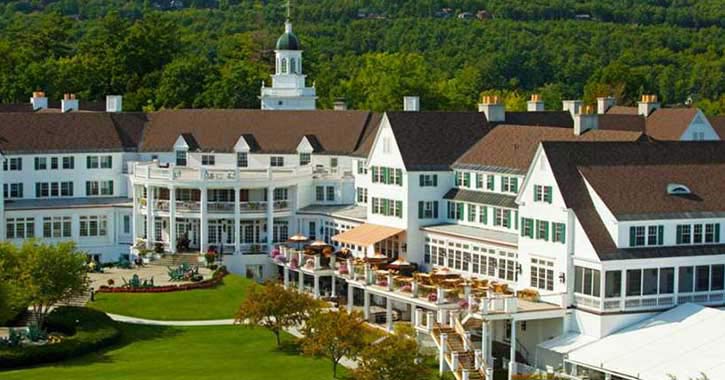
(134, 216)
(172, 219)
(350, 299)
(388, 314)
(333, 292)
(285, 273)
(270, 219)
(366, 305)
(442, 354)
(512, 362)
(204, 225)
(149, 216)
(237, 223)
(484, 341)
(316, 286)
(300, 279)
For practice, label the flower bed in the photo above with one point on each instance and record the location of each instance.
(205, 284)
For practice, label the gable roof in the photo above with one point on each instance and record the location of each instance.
(27, 132)
(546, 118)
(621, 122)
(623, 110)
(434, 140)
(511, 148)
(718, 124)
(16, 107)
(339, 132)
(669, 123)
(631, 179)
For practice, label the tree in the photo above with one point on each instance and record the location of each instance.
(334, 335)
(11, 301)
(397, 357)
(275, 308)
(50, 274)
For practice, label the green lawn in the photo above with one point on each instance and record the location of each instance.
(220, 302)
(191, 353)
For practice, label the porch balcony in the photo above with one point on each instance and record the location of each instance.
(145, 172)
(162, 205)
(298, 260)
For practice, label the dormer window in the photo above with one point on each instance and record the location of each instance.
(305, 158)
(208, 159)
(276, 161)
(678, 189)
(242, 160)
(180, 158)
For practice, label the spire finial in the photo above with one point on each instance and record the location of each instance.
(289, 9)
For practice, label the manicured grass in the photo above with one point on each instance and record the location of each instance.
(220, 302)
(191, 353)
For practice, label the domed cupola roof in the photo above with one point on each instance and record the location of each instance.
(288, 40)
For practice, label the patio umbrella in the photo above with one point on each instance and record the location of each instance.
(318, 243)
(298, 239)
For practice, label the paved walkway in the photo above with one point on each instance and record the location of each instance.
(294, 331)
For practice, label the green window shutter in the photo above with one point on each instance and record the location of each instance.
(420, 180)
(516, 220)
(563, 233)
(449, 210)
(660, 234)
(523, 229)
(515, 185)
(435, 209)
(435, 179)
(420, 209)
(461, 211)
(507, 215)
(399, 206)
(467, 179)
(110, 187)
(679, 235)
(631, 236)
(717, 232)
(536, 229)
(536, 190)
(373, 170)
(490, 182)
(548, 194)
(456, 179)
(546, 231)
(400, 176)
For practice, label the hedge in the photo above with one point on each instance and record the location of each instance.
(88, 331)
(205, 284)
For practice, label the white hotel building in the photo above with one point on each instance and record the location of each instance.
(571, 231)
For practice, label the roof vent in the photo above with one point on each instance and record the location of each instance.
(678, 189)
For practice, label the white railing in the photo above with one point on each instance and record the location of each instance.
(588, 301)
(505, 304)
(152, 170)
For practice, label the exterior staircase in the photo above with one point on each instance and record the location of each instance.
(174, 260)
(458, 353)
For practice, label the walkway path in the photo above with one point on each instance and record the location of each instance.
(294, 331)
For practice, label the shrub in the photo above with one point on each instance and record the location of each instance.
(88, 331)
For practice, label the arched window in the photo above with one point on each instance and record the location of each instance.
(284, 65)
(292, 66)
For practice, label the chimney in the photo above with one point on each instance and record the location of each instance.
(585, 120)
(535, 104)
(493, 108)
(69, 103)
(411, 103)
(572, 106)
(604, 103)
(647, 105)
(340, 105)
(39, 100)
(114, 103)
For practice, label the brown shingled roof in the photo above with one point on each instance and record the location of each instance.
(623, 110)
(434, 140)
(632, 178)
(545, 118)
(621, 122)
(26, 132)
(338, 132)
(512, 147)
(669, 123)
(718, 123)
(19, 107)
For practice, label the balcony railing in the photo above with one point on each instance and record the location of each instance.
(215, 207)
(146, 170)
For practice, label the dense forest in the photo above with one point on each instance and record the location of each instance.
(216, 53)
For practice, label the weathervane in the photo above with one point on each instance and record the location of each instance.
(288, 9)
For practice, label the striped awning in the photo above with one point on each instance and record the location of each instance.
(367, 234)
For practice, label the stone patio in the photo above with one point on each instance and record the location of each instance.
(159, 274)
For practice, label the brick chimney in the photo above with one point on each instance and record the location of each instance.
(493, 108)
(535, 104)
(39, 101)
(573, 106)
(69, 103)
(411, 103)
(585, 120)
(647, 105)
(605, 103)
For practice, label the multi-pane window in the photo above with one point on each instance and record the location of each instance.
(509, 184)
(527, 227)
(13, 190)
(276, 161)
(542, 274)
(455, 210)
(613, 284)
(13, 164)
(490, 182)
(281, 194)
(180, 158)
(701, 278)
(389, 176)
(69, 162)
(20, 228)
(428, 180)
(305, 158)
(501, 217)
(640, 236)
(586, 281)
(362, 167)
(472, 213)
(479, 181)
(362, 195)
(559, 232)
(95, 188)
(483, 215)
(387, 207)
(93, 226)
(330, 193)
(698, 233)
(57, 227)
(684, 234)
(333, 162)
(208, 159)
(242, 160)
(543, 193)
(542, 230)
(41, 163)
(99, 162)
(428, 209)
(54, 163)
(320, 193)
(127, 224)
(53, 189)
